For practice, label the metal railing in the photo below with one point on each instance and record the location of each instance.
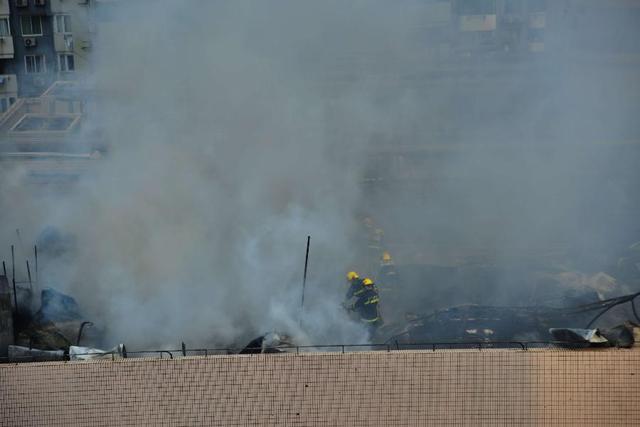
(298, 349)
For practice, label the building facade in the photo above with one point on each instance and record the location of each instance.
(509, 26)
(41, 41)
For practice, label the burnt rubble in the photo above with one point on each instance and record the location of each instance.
(564, 308)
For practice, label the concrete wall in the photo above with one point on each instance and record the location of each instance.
(4, 7)
(409, 388)
(6, 42)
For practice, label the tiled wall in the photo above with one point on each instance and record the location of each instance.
(409, 388)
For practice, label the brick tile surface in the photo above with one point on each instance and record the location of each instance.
(404, 388)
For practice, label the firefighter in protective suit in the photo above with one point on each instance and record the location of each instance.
(355, 285)
(366, 304)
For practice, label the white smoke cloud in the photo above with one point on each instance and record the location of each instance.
(239, 128)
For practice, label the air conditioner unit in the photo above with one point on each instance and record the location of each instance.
(22, 3)
(30, 41)
(41, 2)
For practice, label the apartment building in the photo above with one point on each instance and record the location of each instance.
(41, 41)
(508, 26)
(531, 27)
(8, 82)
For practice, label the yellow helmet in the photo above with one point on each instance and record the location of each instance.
(367, 282)
(352, 275)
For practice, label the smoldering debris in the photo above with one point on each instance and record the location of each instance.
(272, 342)
(18, 353)
(50, 332)
(89, 353)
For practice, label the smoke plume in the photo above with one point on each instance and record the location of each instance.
(236, 129)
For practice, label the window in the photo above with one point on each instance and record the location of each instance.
(513, 7)
(66, 63)
(537, 5)
(34, 64)
(31, 25)
(536, 35)
(62, 24)
(4, 27)
(476, 7)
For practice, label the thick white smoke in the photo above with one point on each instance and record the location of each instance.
(239, 128)
(224, 156)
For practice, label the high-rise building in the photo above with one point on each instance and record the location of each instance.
(8, 82)
(41, 41)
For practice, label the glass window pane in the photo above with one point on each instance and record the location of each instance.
(25, 25)
(37, 25)
(4, 27)
(71, 63)
(67, 24)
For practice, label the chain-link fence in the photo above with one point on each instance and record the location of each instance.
(471, 386)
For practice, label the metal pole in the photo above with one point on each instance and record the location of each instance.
(29, 276)
(13, 277)
(304, 279)
(15, 297)
(20, 242)
(35, 253)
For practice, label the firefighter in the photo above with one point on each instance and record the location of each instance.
(387, 273)
(366, 306)
(355, 285)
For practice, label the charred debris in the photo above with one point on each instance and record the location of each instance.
(565, 308)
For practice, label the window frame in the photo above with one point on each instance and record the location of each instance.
(56, 26)
(64, 58)
(44, 64)
(31, 18)
(6, 19)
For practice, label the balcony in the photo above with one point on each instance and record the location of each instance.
(6, 47)
(474, 23)
(537, 20)
(536, 47)
(63, 43)
(8, 85)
